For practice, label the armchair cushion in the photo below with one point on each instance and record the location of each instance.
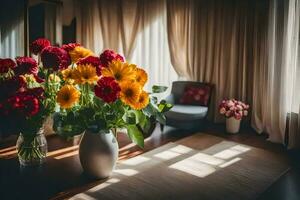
(196, 95)
(186, 112)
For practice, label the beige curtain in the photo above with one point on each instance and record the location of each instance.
(219, 42)
(151, 50)
(135, 28)
(53, 22)
(276, 101)
(249, 50)
(12, 28)
(112, 24)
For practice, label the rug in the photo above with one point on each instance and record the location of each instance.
(201, 166)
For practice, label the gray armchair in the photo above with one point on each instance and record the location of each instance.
(184, 115)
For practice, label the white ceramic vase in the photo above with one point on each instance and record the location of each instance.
(232, 125)
(98, 153)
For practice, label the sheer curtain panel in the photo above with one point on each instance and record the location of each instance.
(11, 28)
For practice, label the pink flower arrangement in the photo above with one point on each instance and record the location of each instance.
(233, 108)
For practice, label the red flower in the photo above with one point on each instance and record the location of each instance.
(26, 65)
(6, 64)
(107, 89)
(37, 92)
(92, 60)
(39, 79)
(70, 46)
(11, 86)
(24, 104)
(38, 45)
(109, 55)
(55, 58)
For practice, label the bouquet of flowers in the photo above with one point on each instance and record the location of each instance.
(84, 91)
(28, 96)
(105, 93)
(233, 108)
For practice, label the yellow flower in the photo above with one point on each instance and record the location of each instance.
(142, 101)
(120, 71)
(85, 74)
(54, 78)
(68, 75)
(141, 76)
(67, 96)
(130, 92)
(79, 52)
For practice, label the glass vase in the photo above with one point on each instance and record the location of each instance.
(32, 149)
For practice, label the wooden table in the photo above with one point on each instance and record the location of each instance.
(61, 176)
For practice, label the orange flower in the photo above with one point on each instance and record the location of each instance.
(85, 74)
(121, 72)
(141, 102)
(67, 96)
(141, 76)
(79, 52)
(130, 92)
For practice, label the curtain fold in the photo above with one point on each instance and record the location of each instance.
(113, 24)
(276, 109)
(151, 51)
(213, 41)
(249, 50)
(135, 28)
(53, 23)
(12, 29)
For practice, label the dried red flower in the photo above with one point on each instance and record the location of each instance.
(92, 60)
(107, 89)
(26, 65)
(70, 46)
(109, 55)
(38, 45)
(55, 58)
(6, 64)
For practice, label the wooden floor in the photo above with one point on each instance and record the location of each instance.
(62, 176)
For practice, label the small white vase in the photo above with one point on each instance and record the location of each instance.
(98, 153)
(232, 125)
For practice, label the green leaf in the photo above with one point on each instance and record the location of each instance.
(158, 89)
(135, 135)
(163, 106)
(152, 110)
(140, 116)
(161, 118)
(130, 117)
(153, 99)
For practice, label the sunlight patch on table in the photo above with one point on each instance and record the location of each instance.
(194, 167)
(126, 172)
(66, 155)
(104, 185)
(167, 155)
(208, 159)
(181, 149)
(227, 154)
(83, 196)
(230, 162)
(135, 161)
